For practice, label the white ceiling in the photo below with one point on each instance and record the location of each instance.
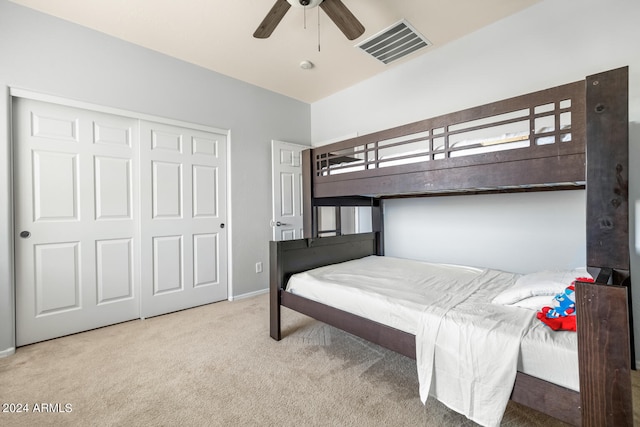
(217, 35)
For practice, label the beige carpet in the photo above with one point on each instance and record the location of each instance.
(216, 365)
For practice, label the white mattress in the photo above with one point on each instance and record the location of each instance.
(394, 292)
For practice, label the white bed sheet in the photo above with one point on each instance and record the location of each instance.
(391, 291)
(395, 292)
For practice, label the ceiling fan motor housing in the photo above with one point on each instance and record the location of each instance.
(304, 3)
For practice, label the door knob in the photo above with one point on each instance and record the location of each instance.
(222, 225)
(25, 234)
(278, 224)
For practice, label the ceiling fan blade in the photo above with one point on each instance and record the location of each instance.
(273, 18)
(343, 18)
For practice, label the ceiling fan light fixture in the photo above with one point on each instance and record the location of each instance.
(304, 3)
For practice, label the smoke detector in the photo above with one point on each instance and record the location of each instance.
(306, 65)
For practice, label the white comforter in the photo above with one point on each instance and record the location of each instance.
(467, 348)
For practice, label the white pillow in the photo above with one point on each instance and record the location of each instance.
(547, 282)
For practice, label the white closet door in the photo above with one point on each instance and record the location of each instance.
(75, 221)
(183, 216)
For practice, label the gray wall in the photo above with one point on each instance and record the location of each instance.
(51, 56)
(550, 43)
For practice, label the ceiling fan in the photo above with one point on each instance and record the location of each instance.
(335, 9)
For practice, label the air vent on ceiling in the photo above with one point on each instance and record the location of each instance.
(394, 42)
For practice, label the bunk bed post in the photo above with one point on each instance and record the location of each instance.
(603, 352)
(377, 224)
(275, 279)
(308, 219)
(607, 107)
(603, 308)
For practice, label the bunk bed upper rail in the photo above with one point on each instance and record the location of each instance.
(531, 141)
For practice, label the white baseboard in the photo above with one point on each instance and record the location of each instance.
(249, 295)
(8, 352)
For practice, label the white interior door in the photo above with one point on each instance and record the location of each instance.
(76, 243)
(286, 179)
(184, 239)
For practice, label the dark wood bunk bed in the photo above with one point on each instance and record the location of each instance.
(595, 156)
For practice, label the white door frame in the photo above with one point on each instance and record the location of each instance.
(7, 300)
(7, 259)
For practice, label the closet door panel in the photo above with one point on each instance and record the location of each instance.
(75, 223)
(184, 260)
